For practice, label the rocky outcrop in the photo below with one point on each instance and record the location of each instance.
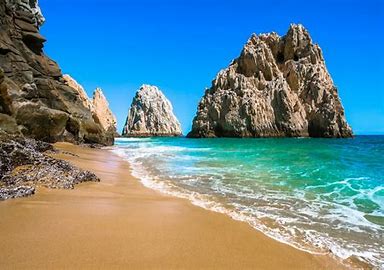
(151, 114)
(99, 106)
(279, 86)
(34, 99)
(24, 165)
(7, 123)
(103, 113)
(27, 6)
(71, 82)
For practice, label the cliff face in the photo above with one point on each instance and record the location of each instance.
(151, 114)
(98, 106)
(279, 86)
(102, 112)
(34, 99)
(71, 82)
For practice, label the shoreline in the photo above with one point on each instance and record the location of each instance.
(119, 223)
(211, 205)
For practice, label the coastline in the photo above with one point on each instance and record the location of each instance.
(118, 223)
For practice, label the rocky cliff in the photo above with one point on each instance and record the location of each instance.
(82, 94)
(34, 99)
(103, 113)
(277, 87)
(98, 106)
(151, 114)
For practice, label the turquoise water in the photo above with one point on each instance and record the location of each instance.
(320, 195)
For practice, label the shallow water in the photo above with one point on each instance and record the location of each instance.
(320, 195)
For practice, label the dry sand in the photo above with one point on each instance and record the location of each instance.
(119, 224)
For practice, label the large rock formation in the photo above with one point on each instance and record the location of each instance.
(34, 100)
(71, 82)
(279, 86)
(103, 113)
(99, 106)
(151, 114)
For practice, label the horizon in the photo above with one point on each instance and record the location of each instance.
(180, 47)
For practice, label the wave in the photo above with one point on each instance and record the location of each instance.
(202, 185)
(117, 140)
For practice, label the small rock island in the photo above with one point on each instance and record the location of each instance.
(278, 87)
(151, 114)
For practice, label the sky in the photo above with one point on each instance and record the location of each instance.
(180, 46)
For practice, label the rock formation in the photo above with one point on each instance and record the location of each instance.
(34, 100)
(279, 86)
(103, 113)
(151, 114)
(24, 165)
(71, 82)
(98, 106)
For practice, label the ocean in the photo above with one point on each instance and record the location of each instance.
(318, 195)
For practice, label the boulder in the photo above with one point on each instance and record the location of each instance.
(8, 124)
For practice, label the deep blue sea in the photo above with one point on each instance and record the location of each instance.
(321, 195)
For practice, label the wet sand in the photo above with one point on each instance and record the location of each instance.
(119, 224)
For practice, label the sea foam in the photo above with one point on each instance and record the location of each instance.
(311, 207)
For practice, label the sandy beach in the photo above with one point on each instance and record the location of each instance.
(119, 224)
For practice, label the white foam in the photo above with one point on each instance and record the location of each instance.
(318, 243)
(118, 140)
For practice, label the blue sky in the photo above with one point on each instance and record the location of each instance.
(180, 46)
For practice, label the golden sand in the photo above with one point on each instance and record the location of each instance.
(119, 224)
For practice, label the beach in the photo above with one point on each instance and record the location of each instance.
(120, 224)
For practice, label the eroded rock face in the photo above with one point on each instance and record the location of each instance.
(71, 82)
(279, 86)
(99, 106)
(24, 165)
(151, 114)
(34, 99)
(102, 111)
(27, 6)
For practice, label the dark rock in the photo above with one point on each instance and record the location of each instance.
(24, 166)
(26, 25)
(32, 90)
(8, 124)
(34, 41)
(5, 99)
(17, 192)
(41, 122)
